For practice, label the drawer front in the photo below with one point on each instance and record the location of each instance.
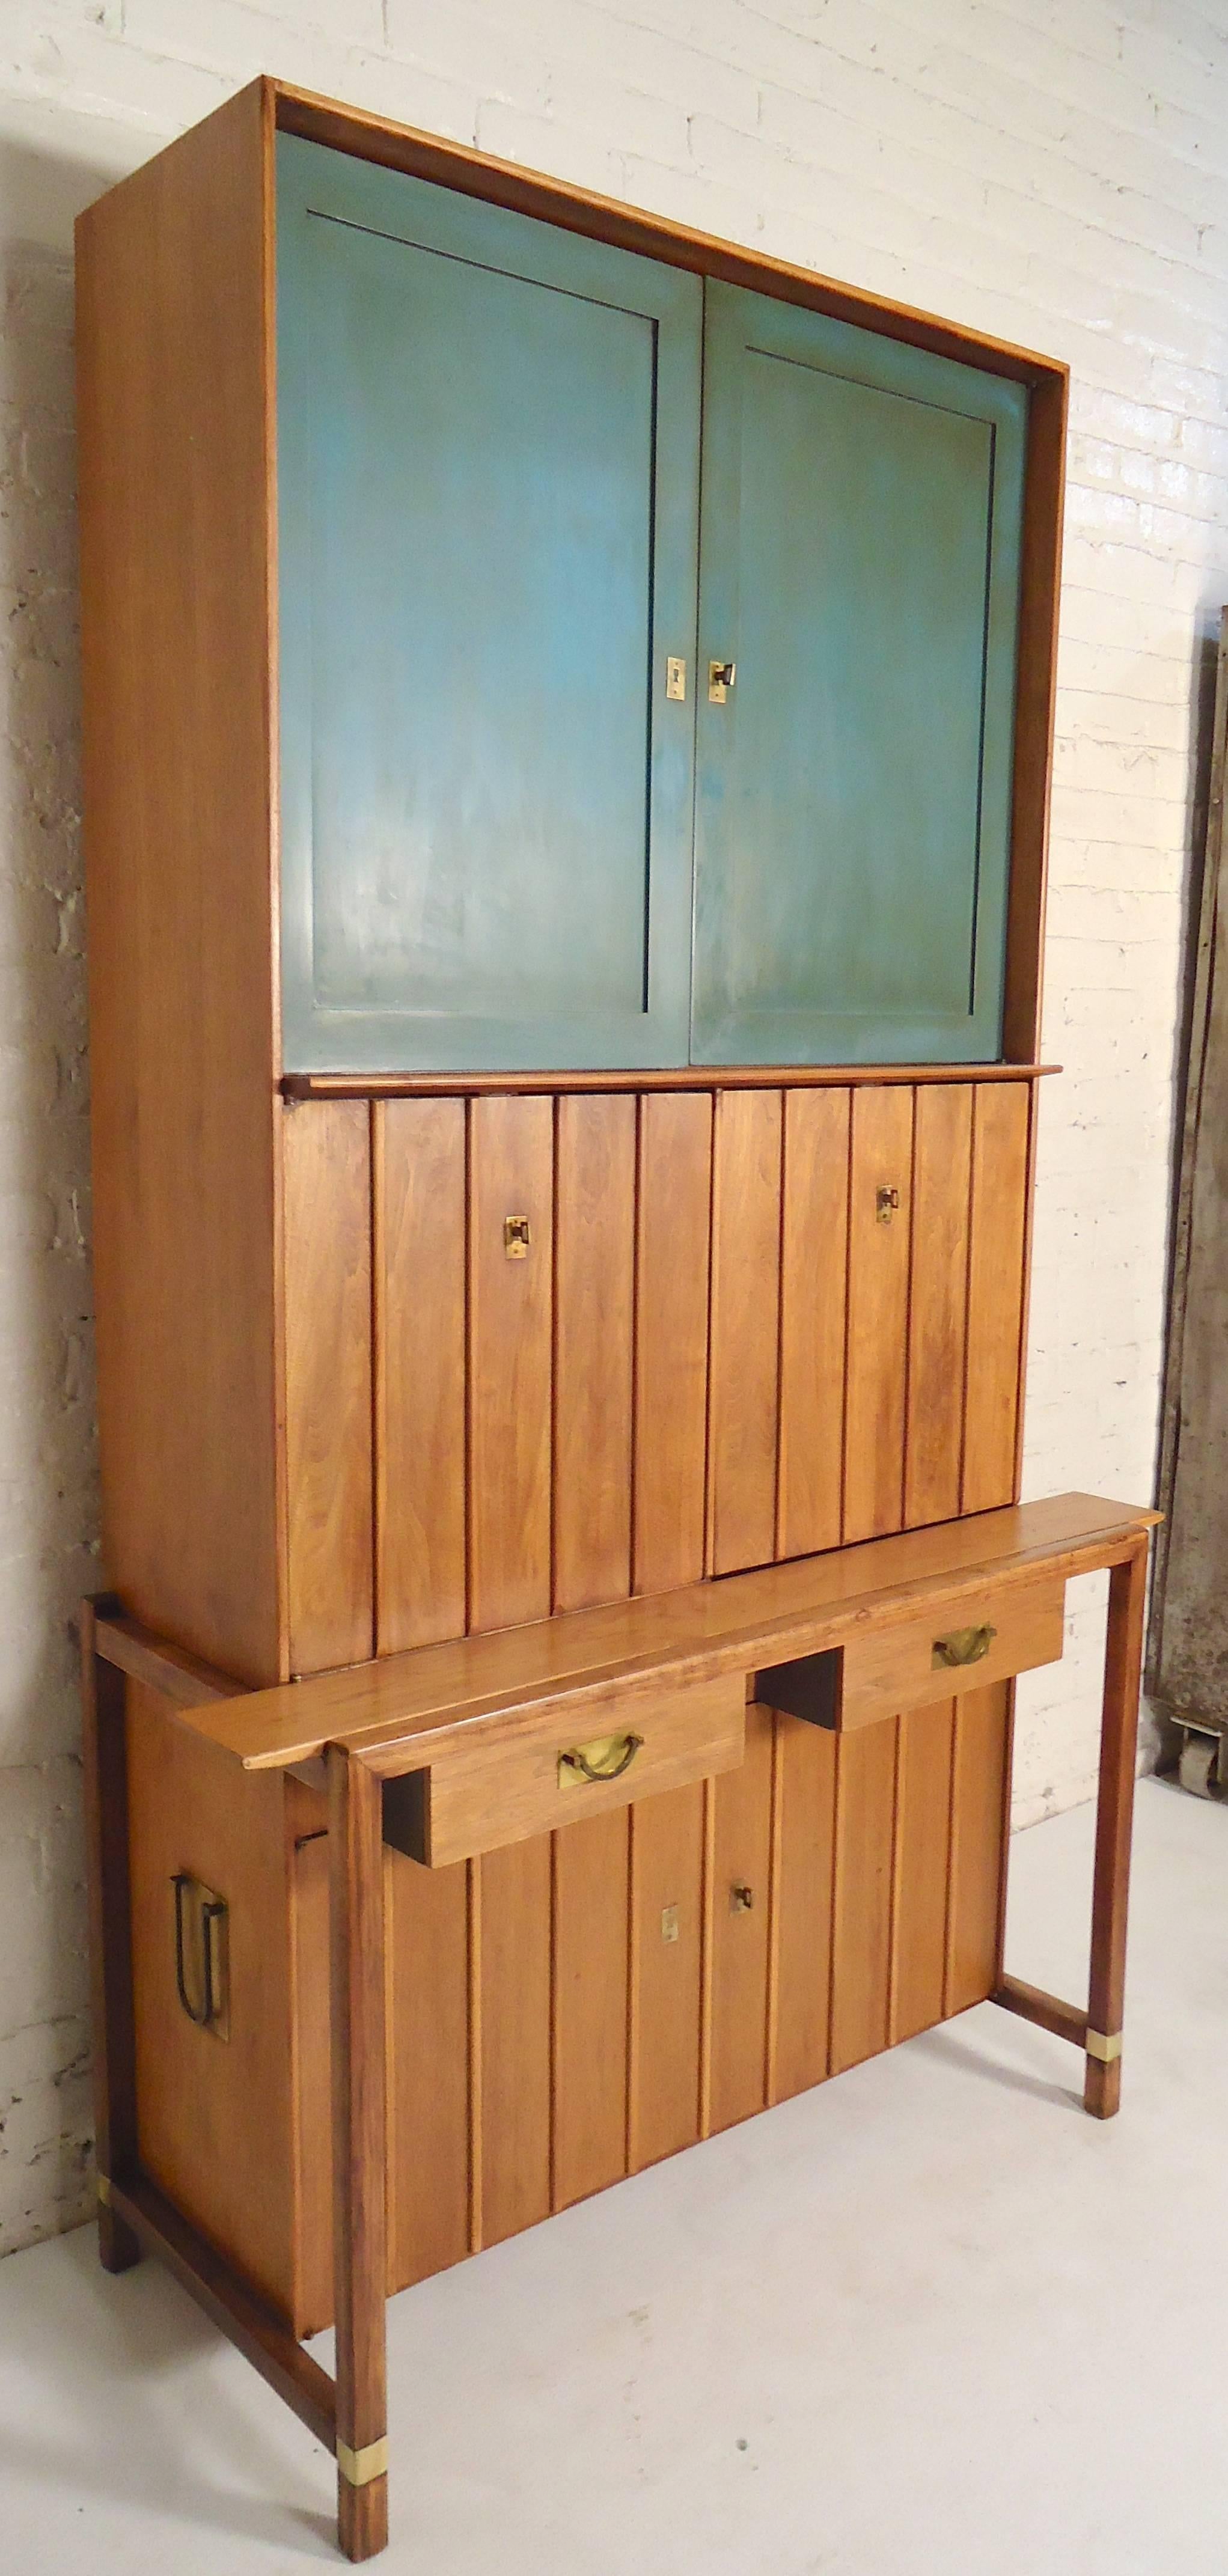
(635, 1742)
(985, 1637)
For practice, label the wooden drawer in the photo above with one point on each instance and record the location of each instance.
(988, 1636)
(502, 1788)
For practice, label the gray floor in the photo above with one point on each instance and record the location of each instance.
(929, 2318)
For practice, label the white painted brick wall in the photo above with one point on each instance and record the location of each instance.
(1052, 170)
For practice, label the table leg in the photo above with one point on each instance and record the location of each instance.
(1115, 1808)
(105, 1785)
(356, 1914)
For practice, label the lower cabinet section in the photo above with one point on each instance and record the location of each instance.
(569, 2009)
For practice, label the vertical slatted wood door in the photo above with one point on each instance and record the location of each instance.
(511, 1325)
(668, 1832)
(595, 1248)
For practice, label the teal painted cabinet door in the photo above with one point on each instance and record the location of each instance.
(859, 567)
(488, 435)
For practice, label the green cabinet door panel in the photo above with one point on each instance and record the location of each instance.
(859, 564)
(488, 512)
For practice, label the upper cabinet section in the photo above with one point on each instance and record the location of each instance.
(488, 435)
(862, 513)
(491, 445)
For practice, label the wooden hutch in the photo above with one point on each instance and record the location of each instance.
(568, 713)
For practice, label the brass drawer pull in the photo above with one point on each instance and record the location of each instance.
(961, 1646)
(605, 1759)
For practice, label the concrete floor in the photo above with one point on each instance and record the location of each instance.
(929, 2318)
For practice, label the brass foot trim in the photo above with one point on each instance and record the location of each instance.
(359, 2467)
(103, 2182)
(1105, 2049)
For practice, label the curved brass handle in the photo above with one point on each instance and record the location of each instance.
(606, 1759)
(961, 1646)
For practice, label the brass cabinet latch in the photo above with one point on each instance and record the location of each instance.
(202, 1954)
(517, 1236)
(721, 677)
(886, 1202)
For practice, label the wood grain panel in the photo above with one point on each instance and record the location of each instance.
(671, 1338)
(995, 1293)
(922, 1844)
(667, 1836)
(742, 1855)
(744, 1382)
(485, 1790)
(418, 1187)
(813, 1297)
(213, 2116)
(310, 2038)
(861, 1962)
(802, 1905)
(591, 1967)
(942, 1175)
(881, 1159)
(514, 2038)
(510, 1322)
(428, 2070)
(174, 440)
(594, 1305)
(981, 1723)
(328, 1383)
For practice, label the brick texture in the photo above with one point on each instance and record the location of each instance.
(1055, 171)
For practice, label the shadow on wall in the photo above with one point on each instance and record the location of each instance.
(48, 1495)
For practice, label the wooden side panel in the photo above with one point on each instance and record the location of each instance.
(667, 1894)
(942, 1171)
(173, 401)
(813, 1296)
(977, 1812)
(802, 1905)
(419, 1249)
(594, 1296)
(591, 1953)
(922, 1846)
(995, 1293)
(671, 1338)
(328, 1383)
(875, 1399)
(510, 1320)
(744, 1385)
(213, 2116)
(513, 2038)
(861, 1964)
(742, 1860)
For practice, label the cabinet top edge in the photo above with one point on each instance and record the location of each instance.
(370, 137)
(692, 1077)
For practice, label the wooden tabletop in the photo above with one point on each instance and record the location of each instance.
(398, 1709)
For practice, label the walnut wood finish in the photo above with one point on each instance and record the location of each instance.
(710, 1319)
(105, 1788)
(400, 1710)
(360, 2262)
(174, 284)
(1114, 1815)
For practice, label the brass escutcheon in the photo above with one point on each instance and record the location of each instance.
(517, 1236)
